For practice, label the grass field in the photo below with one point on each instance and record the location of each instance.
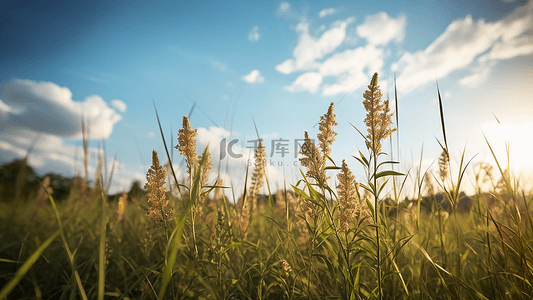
(313, 240)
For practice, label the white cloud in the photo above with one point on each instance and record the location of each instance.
(253, 77)
(219, 65)
(309, 81)
(379, 29)
(350, 68)
(48, 108)
(50, 154)
(462, 42)
(236, 166)
(253, 36)
(475, 79)
(284, 7)
(353, 61)
(120, 105)
(506, 50)
(310, 49)
(326, 12)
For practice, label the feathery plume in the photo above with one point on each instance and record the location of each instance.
(348, 202)
(42, 194)
(44, 190)
(121, 206)
(312, 159)
(305, 212)
(158, 212)
(205, 170)
(378, 117)
(428, 187)
(206, 167)
(258, 174)
(444, 163)
(327, 134)
(187, 144)
(248, 204)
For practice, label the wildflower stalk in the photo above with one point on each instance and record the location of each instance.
(378, 120)
(314, 159)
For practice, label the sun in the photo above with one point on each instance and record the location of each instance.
(515, 139)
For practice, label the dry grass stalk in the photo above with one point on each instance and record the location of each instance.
(378, 117)
(444, 163)
(218, 193)
(348, 201)
(42, 194)
(187, 144)
(258, 174)
(249, 203)
(304, 212)
(205, 170)
(121, 206)
(85, 137)
(326, 136)
(98, 175)
(280, 203)
(158, 212)
(44, 190)
(429, 187)
(312, 159)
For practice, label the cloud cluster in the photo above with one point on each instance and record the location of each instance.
(233, 169)
(253, 36)
(466, 42)
(326, 12)
(310, 49)
(48, 108)
(36, 117)
(284, 7)
(219, 65)
(253, 77)
(379, 29)
(50, 153)
(319, 59)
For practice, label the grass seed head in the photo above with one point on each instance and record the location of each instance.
(444, 165)
(312, 159)
(348, 200)
(378, 116)
(258, 173)
(121, 207)
(187, 144)
(326, 136)
(158, 212)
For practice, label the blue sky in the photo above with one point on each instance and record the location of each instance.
(278, 63)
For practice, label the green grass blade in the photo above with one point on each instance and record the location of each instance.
(101, 254)
(26, 266)
(442, 118)
(167, 272)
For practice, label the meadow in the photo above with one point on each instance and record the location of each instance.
(325, 236)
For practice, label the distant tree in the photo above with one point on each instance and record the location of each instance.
(136, 192)
(17, 177)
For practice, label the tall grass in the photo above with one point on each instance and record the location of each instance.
(326, 237)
